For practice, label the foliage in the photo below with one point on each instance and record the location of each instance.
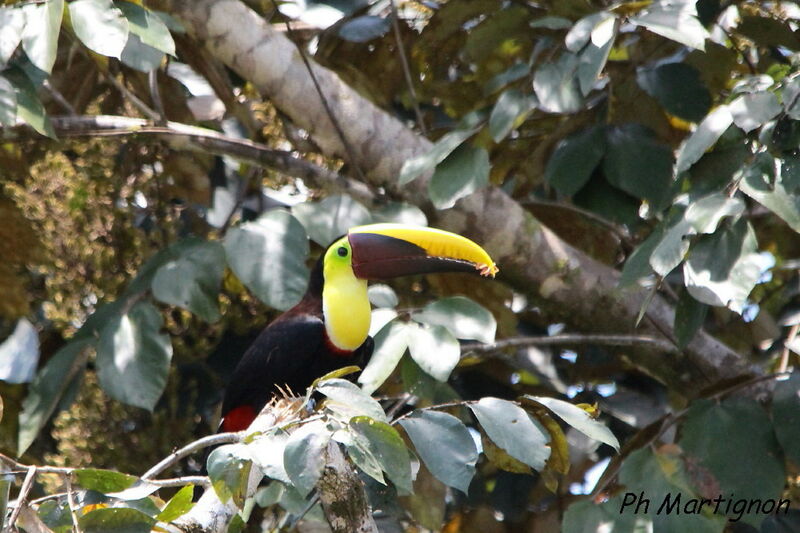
(658, 137)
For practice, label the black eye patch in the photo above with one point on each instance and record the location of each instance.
(342, 251)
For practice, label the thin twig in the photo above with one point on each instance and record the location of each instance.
(56, 95)
(73, 508)
(135, 100)
(570, 338)
(155, 95)
(784, 364)
(399, 404)
(406, 69)
(180, 481)
(351, 155)
(241, 193)
(23, 493)
(459, 403)
(177, 455)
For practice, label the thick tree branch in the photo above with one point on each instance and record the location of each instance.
(342, 495)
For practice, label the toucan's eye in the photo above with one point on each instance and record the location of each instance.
(342, 251)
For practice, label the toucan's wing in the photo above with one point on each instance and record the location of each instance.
(284, 355)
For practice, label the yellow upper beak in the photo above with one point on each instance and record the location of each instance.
(382, 251)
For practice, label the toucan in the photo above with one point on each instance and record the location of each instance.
(328, 329)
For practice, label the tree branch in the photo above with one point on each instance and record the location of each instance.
(200, 444)
(185, 137)
(23, 494)
(572, 339)
(342, 495)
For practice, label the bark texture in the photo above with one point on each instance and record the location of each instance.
(566, 283)
(342, 495)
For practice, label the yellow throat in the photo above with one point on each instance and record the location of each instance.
(345, 304)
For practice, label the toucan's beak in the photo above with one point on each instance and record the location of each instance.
(383, 251)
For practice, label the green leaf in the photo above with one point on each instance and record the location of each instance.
(579, 419)
(790, 97)
(702, 216)
(12, 20)
(637, 163)
(768, 32)
(724, 267)
(178, 505)
(678, 88)
(116, 520)
(689, 318)
(304, 455)
(364, 28)
(786, 415)
(412, 168)
(141, 56)
(714, 432)
(40, 35)
(704, 137)
(19, 353)
(229, 470)
(8, 101)
(29, 108)
(380, 317)
(638, 266)
(347, 400)
(574, 160)
(103, 480)
(390, 345)
(359, 452)
(331, 218)
(761, 183)
(599, 196)
(510, 110)
(269, 255)
(463, 172)
(399, 213)
(516, 72)
(383, 442)
(148, 26)
(593, 58)
(663, 475)
(580, 33)
(381, 295)
(463, 317)
(751, 110)
(267, 454)
(99, 25)
(513, 430)
(675, 20)
(556, 85)
(445, 446)
(133, 357)
(551, 23)
(434, 349)
(192, 280)
(585, 516)
(47, 390)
